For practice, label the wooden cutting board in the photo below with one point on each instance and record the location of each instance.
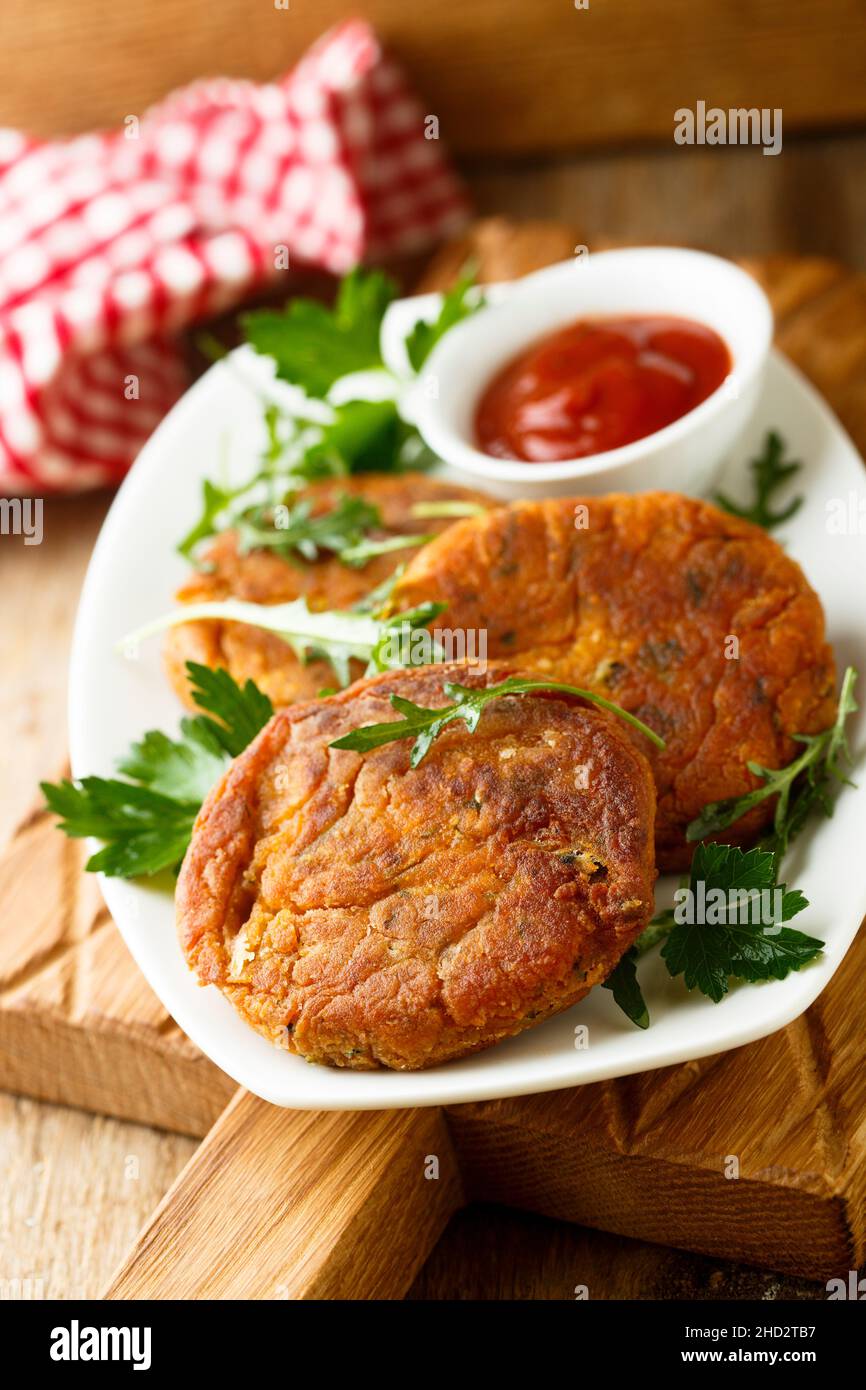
(643, 1156)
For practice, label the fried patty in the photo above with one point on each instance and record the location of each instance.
(260, 576)
(362, 914)
(693, 620)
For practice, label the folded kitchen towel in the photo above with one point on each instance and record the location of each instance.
(110, 243)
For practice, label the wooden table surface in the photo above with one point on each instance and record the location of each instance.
(76, 1187)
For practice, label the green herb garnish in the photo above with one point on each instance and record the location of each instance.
(805, 783)
(770, 471)
(710, 953)
(296, 531)
(447, 508)
(424, 724)
(363, 437)
(623, 985)
(707, 955)
(312, 345)
(460, 301)
(147, 821)
(725, 943)
(331, 635)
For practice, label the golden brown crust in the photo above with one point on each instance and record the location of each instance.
(640, 604)
(365, 914)
(250, 653)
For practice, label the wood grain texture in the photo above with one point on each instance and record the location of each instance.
(78, 1022)
(490, 1252)
(504, 76)
(811, 201)
(75, 1191)
(40, 586)
(318, 1205)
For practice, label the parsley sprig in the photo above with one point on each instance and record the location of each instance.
(312, 345)
(146, 821)
(770, 471)
(424, 724)
(710, 953)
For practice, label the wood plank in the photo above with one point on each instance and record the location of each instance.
(503, 78)
(652, 1156)
(78, 1189)
(323, 1205)
(489, 1252)
(75, 1191)
(78, 1022)
(809, 202)
(40, 586)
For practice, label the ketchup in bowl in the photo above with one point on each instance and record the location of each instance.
(598, 384)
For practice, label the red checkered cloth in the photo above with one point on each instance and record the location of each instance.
(110, 243)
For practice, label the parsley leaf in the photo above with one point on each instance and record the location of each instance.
(147, 821)
(804, 783)
(457, 304)
(622, 982)
(425, 724)
(241, 711)
(363, 437)
(769, 473)
(716, 937)
(312, 345)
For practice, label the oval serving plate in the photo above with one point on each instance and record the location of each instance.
(132, 577)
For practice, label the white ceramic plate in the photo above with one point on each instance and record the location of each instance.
(132, 576)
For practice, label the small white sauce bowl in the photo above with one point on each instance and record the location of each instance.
(684, 456)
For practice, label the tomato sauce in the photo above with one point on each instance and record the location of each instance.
(598, 384)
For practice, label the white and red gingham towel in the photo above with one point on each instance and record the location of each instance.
(110, 243)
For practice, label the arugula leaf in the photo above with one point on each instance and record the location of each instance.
(804, 783)
(447, 508)
(769, 473)
(215, 501)
(457, 304)
(333, 635)
(707, 953)
(147, 821)
(313, 346)
(425, 724)
(358, 555)
(362, 436)
(340, 529)
(622, 982)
